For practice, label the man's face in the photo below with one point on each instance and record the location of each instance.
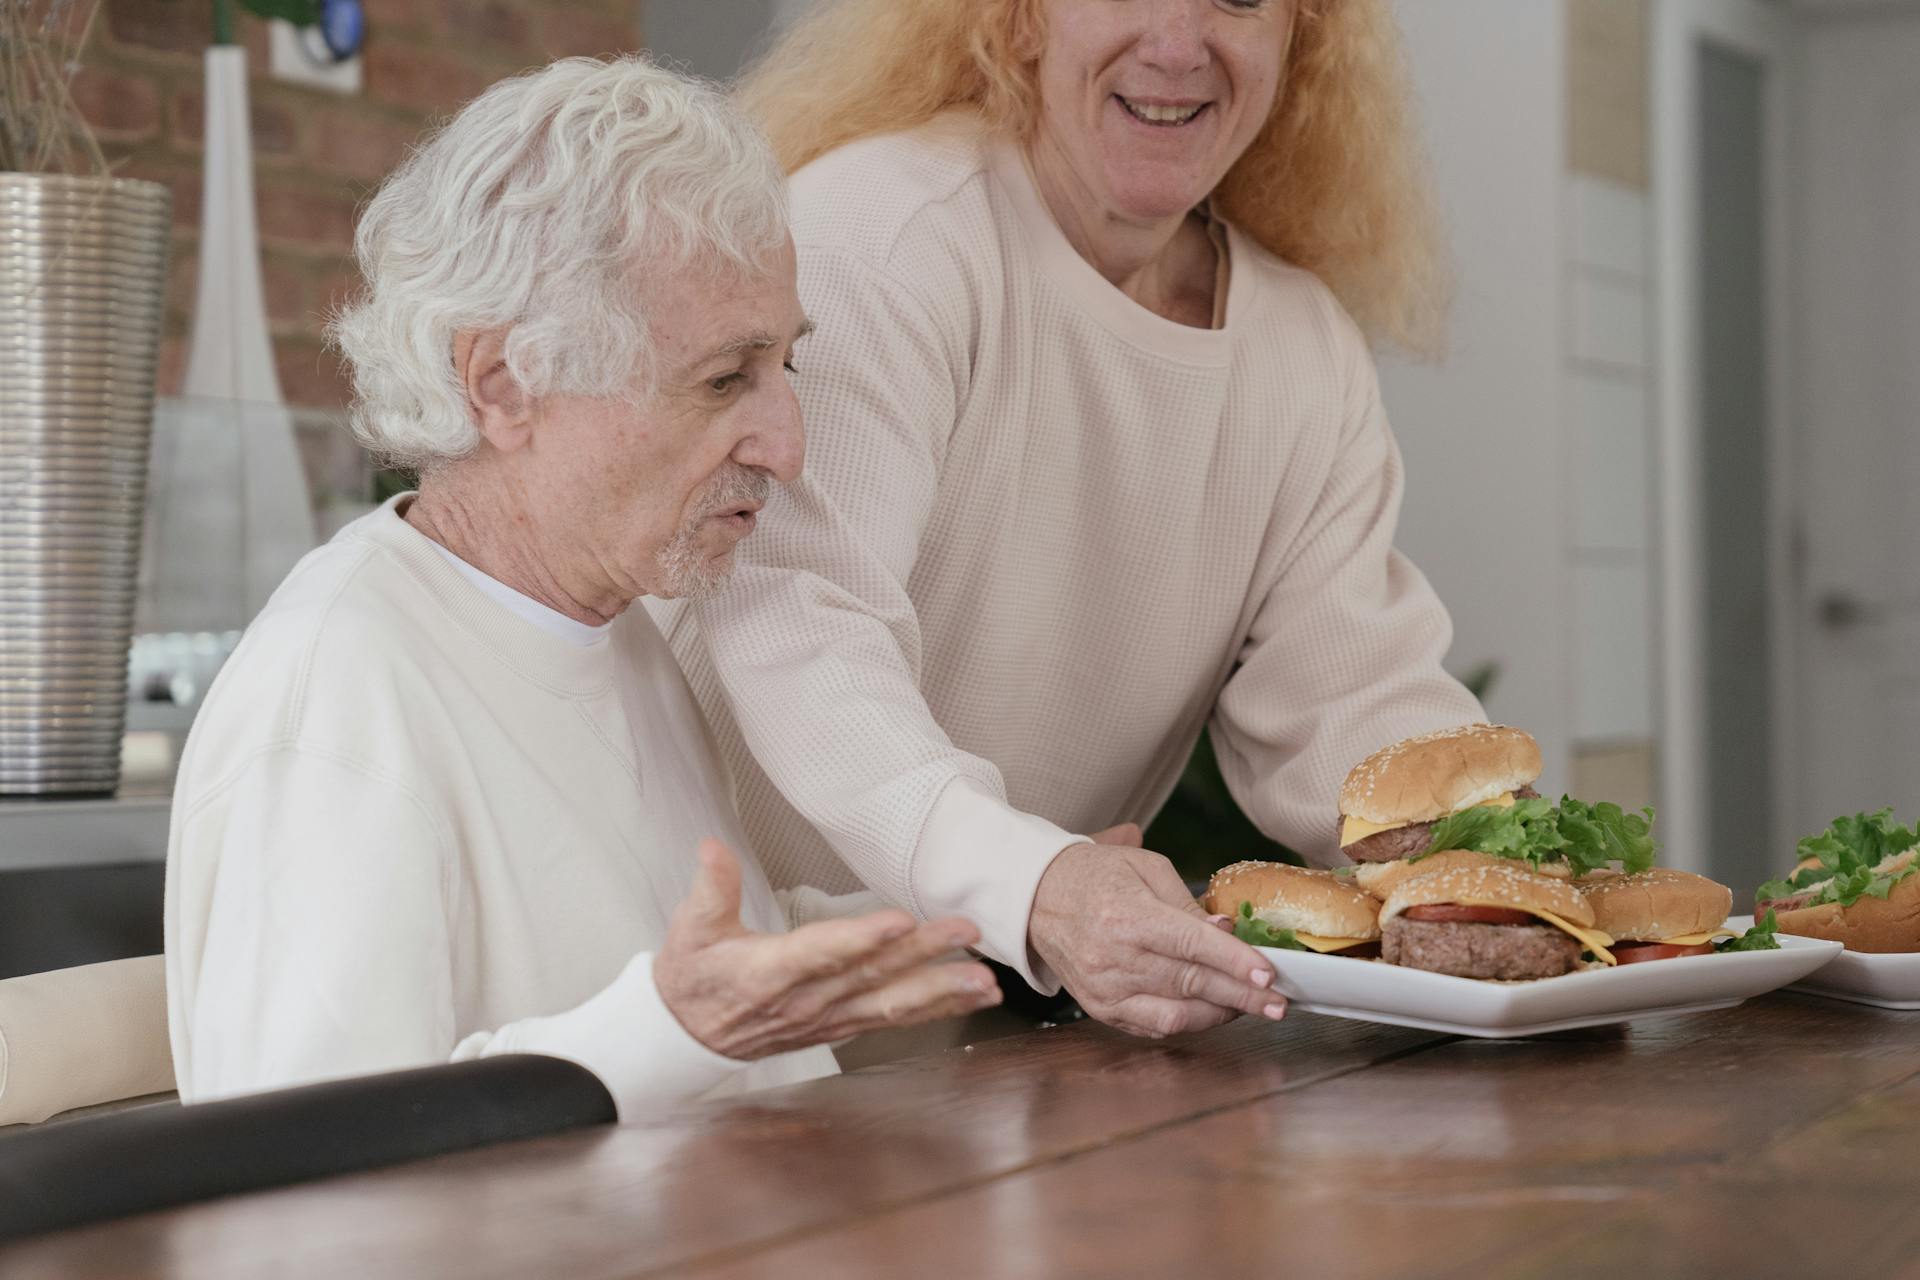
(656, 495)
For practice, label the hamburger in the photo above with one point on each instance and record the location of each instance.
(1658, 914)
(1855, 884)
(1276, 905)
(1390, 801)
(1470, 788)
(1490, 921)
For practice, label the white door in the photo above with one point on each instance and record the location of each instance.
(1723, 93)
(1858, 416)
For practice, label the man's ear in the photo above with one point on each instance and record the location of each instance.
(498, 405)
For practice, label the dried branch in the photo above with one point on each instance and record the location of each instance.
(41, 128)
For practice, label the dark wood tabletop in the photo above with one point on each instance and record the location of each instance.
(1776, 1138)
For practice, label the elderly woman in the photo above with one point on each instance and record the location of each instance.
(1098, 459)
(445, 798)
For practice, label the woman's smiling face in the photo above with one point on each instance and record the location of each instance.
(1151, 101)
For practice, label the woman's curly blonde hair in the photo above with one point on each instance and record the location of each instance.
(1334, 182)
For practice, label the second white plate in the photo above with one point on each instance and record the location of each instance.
(1890, 981)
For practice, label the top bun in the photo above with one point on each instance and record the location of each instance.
(1484, 885)
(1421, 779)
(1650, 906)
(1381, 878)
(1316, 902)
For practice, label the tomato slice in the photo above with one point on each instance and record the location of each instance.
(1633, 952)
(1454, 913)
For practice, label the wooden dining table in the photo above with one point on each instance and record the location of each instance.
(1779, 1137)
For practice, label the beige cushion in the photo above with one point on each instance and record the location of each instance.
(79, 1037)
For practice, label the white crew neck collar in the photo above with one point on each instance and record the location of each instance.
(547, 618)
(1097, 296)
(539, 653)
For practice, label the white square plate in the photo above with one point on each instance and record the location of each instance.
(1374, 991)
(1889, 981)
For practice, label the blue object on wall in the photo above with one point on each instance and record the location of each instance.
(343, 25)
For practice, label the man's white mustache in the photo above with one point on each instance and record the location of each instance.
(737, 486)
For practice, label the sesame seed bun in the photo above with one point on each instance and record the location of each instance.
(1483, 885)
(1381, 878)
(1424, 778)
(1316, 902)
(1652, 906)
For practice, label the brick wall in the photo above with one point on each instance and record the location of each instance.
(317, 154)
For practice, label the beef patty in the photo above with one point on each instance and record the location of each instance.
(1507, 951)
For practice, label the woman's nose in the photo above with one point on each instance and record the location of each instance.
(1173, 35)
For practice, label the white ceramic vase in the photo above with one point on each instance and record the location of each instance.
(230, 513)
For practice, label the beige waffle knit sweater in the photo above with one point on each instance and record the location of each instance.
(1044, 536)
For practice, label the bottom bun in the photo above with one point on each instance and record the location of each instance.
(1881, 925)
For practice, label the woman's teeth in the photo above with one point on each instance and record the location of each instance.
(1161, 115)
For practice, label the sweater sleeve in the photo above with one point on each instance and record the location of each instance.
(803, 905)
(325, 948)
(1344, 654)
(816, 641)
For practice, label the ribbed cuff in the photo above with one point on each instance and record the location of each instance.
(627, 1037)
(982, 859)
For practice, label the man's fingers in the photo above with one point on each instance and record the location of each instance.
(927, 943)
(1127, 834)
(929, 992)
(830, 947)
(712, 906)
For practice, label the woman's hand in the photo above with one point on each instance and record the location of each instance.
(1117, 926)
(748, 995)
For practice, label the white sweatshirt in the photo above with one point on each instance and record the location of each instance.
(1045, 536)
(418, 821)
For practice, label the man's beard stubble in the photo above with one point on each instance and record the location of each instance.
(686, 571)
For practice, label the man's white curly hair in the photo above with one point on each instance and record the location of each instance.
(543, 209)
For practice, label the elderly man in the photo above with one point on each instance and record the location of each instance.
(446, 797)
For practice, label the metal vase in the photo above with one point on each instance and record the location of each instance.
(83, 268)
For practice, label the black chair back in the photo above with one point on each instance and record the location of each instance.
(64, 1175)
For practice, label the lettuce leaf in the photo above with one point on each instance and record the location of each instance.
(1866, 838)
(1587, 837)
(1259, 933)
(1846, 857)
(1758, 938)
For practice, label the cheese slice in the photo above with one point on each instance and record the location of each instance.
(1592, 939)
(1353, 830)
(1693, 939)
(1314, 942)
